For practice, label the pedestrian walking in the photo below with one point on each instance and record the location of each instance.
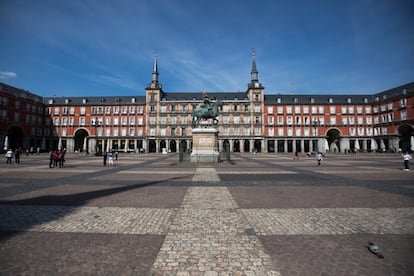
(17, 156)
(296, 156)
(105, 156)
(319, 158)
(116, 155)
(51, 159)
(111, 159)
(55, 157)
(9, 155)
(406, 157)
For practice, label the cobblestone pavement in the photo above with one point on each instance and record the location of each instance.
(256, 215)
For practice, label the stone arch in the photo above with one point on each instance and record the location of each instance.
(173, 146)
(15, 137)
(183, 145)
(152, 146)
(163, 145)
(236, 145)
(406, 132)
(80, 141)
(333, 136)
(257, 146)
(226, 145)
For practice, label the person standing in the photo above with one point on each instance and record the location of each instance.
(9, 155)
(406, 157)
(105, 156)
(17, 156)
(51, 159)
(319, 158)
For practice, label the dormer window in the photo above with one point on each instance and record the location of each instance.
(349, 100)
(102, 100)
(133, 100)
(279, 100)
(312, 100)
(84, 100)
(67, 101)
(330, 100)
(117, 100)
(51, 101)
(295, 100)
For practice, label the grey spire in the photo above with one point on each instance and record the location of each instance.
(155, 70)
(254, 73)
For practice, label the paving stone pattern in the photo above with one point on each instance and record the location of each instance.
(208, 236)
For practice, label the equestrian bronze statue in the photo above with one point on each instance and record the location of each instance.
(206, 111)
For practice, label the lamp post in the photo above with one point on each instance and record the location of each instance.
(96, 124)
(315, 128)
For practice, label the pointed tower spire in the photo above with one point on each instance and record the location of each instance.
(155, 70)
(254, 83)
(254, 73)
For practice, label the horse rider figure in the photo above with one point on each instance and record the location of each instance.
(206, 104)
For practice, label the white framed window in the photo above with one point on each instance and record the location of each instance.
(289, 109)
(305, 109)
(132, 120)
(270, 109)
(271, 131)
(280, 131)
(270, 120)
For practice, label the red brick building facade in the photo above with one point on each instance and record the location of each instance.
(248, 121)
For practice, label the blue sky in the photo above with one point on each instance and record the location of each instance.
(100, 47)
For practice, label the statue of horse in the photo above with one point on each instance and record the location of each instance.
(206, 112)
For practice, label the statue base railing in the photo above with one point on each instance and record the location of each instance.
(205, 145)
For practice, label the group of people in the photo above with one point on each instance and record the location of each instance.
(110, 157)
(56, 158)
(319, 157)
(10, 154)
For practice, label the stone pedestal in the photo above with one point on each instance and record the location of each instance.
(205, 145)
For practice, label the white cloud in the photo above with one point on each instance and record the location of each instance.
(7, 75)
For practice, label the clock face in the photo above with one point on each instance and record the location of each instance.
(256, 84)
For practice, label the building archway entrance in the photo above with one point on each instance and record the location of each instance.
(246, 146)
(163, 145)
(173, 146)
(333, 137)
(226, 145)
(152, 147)
(183, 145)
(236, 146)
(15, 137)
(80, 140)
(406, 133)
(258, 146)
